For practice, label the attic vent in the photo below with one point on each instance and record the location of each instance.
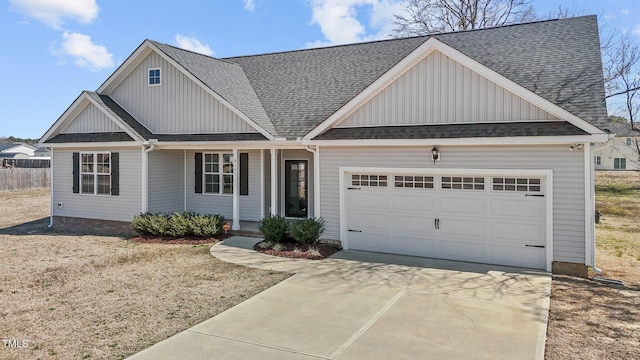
(154, 77)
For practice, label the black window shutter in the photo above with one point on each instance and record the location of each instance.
(115, 173)
(198, 173)
(244, 174)
(76, 173)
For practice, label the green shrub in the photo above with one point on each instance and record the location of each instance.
(180, 225)
(159, 224)
(274, 228)
(141, 224)
(307, 231)
(177, 224)
(207, 225)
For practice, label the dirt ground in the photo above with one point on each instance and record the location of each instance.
(589, 320)
(97, 297)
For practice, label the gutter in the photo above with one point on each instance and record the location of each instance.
(145, 171)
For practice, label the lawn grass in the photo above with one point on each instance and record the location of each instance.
(101, 297)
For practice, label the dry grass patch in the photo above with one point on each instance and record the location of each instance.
(93, 297)
(588, 320)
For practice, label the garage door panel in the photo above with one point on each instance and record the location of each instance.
(413, 244)
(372, 241)
(527, 256)
(451, 227)
(521, 233)
(408, 201)
(462, 250)
(462, 205)
(484, 225)
(517, 207)
(369, 199)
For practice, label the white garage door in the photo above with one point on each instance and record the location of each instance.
(490, 219)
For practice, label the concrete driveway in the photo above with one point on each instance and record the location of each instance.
(360, 305)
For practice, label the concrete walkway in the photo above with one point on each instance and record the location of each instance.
(360, 305)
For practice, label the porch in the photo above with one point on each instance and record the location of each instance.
(242, 184)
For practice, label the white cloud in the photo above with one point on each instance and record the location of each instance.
(84, 52)
(193, 44)
(249, 5)
(54, 12)
(635, 31)
(625, 11)
(339, 20)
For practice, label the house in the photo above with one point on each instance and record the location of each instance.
(454, 145)
(619, 153)
(16, 151)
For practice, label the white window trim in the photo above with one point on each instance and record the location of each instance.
(597, 160)
(95, 172)
(149, 76)
(220, 173)
(629, 141)
(619, 163)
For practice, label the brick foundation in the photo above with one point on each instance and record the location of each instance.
(92, 226)
(567, 268)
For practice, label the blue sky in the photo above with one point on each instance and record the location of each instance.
(54, 49)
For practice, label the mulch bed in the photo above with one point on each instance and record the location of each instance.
(295, 250)
(188, 240)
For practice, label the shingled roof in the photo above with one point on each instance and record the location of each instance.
(288, 94)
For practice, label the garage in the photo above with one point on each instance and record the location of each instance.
(493, 217)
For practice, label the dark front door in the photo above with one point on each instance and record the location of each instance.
(295, 188)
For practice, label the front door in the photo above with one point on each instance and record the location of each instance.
(295, 188)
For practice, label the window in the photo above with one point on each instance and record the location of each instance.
(218, 173)
(417, 182)
(628, 141)
(369, 180)
(619, 163)
(462, 183)
(154, 77)
(516, 184)
(597, 160)
(95, 173)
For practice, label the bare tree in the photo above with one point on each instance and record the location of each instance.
(622, 75)
(421, 17)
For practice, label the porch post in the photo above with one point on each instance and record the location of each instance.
(261, 183)
(274, 185)
(236, 192)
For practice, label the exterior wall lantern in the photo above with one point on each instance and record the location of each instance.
(435, 154)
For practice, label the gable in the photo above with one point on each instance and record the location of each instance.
(441, 90)
(178, 106)
(91, 120)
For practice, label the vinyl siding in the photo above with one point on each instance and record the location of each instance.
(267, 182)
(120, 208)
(223, 204)
(166, 181)
(568, 172)
(178, 106)
(439, 90)
(91, 120)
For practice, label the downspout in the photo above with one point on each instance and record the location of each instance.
(588, 161)
(316, 179)
(51, 190)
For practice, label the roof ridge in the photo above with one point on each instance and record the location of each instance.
(400, 38)
(193, 52)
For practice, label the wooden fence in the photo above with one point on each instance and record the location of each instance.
(24, 179)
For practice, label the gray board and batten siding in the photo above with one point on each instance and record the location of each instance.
(177, 106)
(91, 120)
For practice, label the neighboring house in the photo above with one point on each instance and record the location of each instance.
(16, 150)
(619, 153)
(452, 146)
